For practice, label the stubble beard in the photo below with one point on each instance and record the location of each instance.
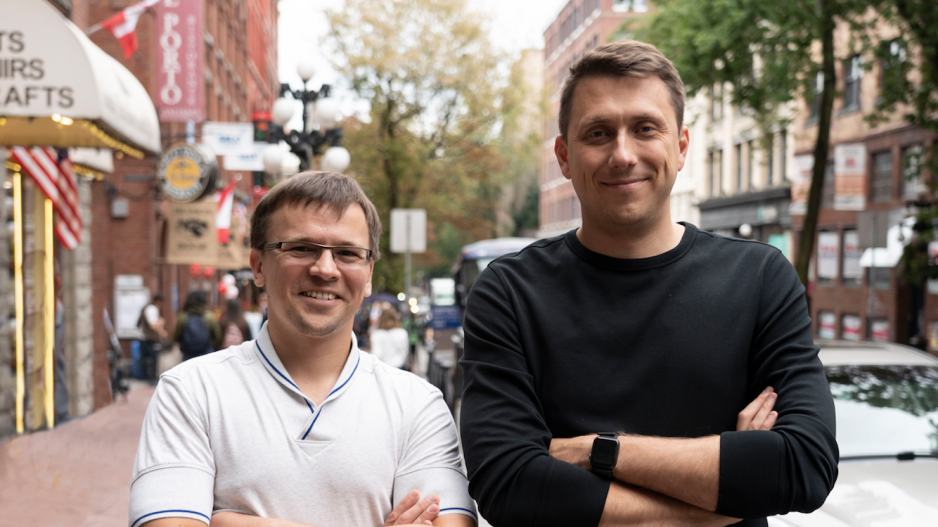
(305, 328)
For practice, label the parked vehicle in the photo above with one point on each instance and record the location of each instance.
(886, 398)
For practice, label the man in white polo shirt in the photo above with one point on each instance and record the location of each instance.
(299, 425)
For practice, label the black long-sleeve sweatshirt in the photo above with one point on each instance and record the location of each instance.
(563, 342)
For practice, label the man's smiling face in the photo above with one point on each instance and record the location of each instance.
(317, 300)
(623, 150)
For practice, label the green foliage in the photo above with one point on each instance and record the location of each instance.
(526, 217)
(915, 267)
(440, 108)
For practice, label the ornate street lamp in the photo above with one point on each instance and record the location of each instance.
(319, 126)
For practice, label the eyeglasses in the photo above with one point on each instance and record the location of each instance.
(308, 253)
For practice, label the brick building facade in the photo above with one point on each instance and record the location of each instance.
(240, 64)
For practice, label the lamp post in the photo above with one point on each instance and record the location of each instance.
(319, 125)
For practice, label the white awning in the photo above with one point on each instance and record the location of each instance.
(57, 88)
(890, 255)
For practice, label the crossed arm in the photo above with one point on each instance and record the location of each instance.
(664, 479)
(410, 512)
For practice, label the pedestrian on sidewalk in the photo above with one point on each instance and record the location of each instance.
(300, 425)
(197, 329)
(234, 327)
(390, 343)
(151, 324)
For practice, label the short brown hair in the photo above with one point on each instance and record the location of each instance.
(622, 58)
(389, 318)
(325, 189)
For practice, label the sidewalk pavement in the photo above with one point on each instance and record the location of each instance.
(77, 474)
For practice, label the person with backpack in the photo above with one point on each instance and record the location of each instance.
(196, 327)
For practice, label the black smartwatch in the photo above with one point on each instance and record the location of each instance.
(605, 454)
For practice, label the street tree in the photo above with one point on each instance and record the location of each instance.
(435, 86)
(772, 54)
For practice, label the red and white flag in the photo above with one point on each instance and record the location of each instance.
(55, 176)
(123, 25)
(223, 216)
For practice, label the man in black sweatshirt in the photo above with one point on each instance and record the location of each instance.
(625, 373)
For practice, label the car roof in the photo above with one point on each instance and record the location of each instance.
(841, 352)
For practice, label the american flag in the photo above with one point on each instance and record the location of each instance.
(55, 176)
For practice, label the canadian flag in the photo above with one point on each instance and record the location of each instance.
(123, 25)
(223, 216)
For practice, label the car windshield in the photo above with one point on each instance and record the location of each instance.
(885, 410)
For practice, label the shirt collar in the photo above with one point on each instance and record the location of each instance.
(264, 349)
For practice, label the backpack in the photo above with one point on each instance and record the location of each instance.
(195, 339)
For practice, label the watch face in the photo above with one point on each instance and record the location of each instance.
(604, 452)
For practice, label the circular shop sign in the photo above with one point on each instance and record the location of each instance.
(187, 172)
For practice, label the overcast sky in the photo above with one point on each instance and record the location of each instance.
(516, 25)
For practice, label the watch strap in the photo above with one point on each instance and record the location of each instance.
(605, 472)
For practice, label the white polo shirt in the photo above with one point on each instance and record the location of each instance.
(230, 431)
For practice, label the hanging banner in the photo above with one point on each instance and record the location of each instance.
(180, 85)
(849, 177)
(191, 236)
(828, 254)
(801, 185)
(851, 327)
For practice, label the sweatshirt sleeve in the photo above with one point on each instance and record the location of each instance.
(504, 435)
(792, 467)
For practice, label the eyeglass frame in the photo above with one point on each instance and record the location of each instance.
(278, 246)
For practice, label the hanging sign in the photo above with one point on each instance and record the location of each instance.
(191, 236)
(849, 177)
(228, 138)
(186, 173)
(180, 49)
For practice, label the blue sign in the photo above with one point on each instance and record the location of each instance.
(445, 317)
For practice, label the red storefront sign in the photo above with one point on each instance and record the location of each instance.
(180, 92)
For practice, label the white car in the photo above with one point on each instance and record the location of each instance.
(886, 397)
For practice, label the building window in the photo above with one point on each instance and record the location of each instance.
(853, 72)
(749, 156)
(716, 171)
(638, 6)
(851, 272)
(879, 276)
(881, 184)
(783, 148)
(818, 88)
(911, 184)
(893, 57)
(716, 103)
(739, 167)
(770, 163)
(850, 327)
(827, 194)
(827, 325)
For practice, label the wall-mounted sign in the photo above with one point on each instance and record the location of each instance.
(849, 177)
(180, 85)
(186, 173)
(251, 160)
(228, 138)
